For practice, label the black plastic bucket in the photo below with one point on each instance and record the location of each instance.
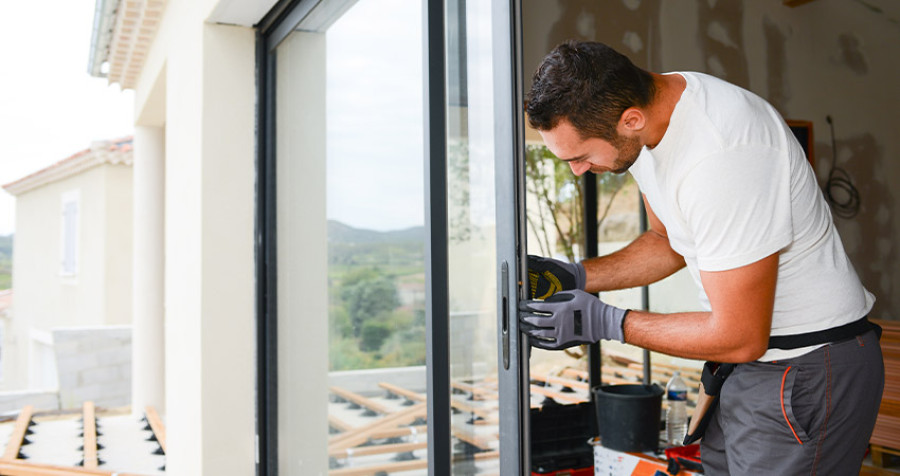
(628, 416)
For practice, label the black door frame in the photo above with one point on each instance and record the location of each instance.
(509, 134)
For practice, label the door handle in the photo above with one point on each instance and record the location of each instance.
(504, 313)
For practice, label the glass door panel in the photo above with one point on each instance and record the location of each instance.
(472, 239)
(350, 241)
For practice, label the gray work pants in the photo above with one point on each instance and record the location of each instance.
(809, 415)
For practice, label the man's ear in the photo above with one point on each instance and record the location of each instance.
(633, 119)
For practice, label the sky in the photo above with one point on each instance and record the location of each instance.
(50, 107)
(375, 116)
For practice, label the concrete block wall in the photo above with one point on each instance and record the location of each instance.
(93, 363)
(12, 402)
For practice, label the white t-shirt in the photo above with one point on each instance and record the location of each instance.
(731, 184)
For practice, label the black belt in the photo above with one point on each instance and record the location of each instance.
(714, 374)
(835, 334)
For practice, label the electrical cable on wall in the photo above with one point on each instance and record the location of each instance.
(839, 190)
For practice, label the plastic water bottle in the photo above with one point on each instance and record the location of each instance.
(676, 416)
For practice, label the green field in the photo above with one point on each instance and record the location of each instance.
(6, 244)
(376, 284)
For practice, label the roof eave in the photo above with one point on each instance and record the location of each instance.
(101, 36)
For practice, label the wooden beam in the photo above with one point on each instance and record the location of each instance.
(566, 382)
(462, 405)
(566, 397)
(362, 434)
(360, 400)
(377, 449)
(18, 434)
(418, 430)
(156, 424)
(380, 468)
(404, 465)
(91, 460)
(476, 391)
(402, 392)
(24, 468)
(473, 439)
(338, 424)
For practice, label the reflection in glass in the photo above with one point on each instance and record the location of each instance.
(472, 245)
(351, 282)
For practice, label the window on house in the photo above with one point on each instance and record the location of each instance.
(69, 236)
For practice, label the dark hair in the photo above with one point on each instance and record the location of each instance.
(588, 83)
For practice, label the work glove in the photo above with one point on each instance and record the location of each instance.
(570, 318)
(548, 276)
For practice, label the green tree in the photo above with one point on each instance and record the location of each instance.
(368, 294)
(559, 210)
(373, 334)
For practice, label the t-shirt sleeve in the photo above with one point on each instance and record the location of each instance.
(737, 207)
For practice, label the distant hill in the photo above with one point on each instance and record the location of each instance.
(340, 233)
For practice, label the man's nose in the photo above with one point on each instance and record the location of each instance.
(579, 167)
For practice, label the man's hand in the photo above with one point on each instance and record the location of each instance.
(570, 318)
(548, 276)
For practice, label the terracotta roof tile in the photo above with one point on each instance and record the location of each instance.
(122, 144)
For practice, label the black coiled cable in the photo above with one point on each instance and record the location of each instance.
(839, 190)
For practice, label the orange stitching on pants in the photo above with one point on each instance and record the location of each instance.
(783, 378)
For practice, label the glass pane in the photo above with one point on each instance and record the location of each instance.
(472, 245)
(350, 216)
(554, 213)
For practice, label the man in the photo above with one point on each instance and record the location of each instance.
(730, 195)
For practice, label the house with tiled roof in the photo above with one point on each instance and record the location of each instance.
(72, 259)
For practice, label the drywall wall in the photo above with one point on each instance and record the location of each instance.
(826, 57)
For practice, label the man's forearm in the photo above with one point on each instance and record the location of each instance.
(645, 260)
(693, 335)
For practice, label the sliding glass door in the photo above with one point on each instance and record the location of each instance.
(388, 230)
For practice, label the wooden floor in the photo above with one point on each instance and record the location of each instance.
(892, 467)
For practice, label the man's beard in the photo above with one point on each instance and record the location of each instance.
(629, 149)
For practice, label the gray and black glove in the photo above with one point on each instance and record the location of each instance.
(570, 318)
(548, 276)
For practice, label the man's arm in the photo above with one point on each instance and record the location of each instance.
(645, 260)
(737, 329)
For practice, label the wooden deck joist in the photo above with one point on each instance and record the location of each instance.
(377, 449)
(400, 466)
(156, 424)
(417, 430)
(360, 435)
(360, 400)
(91, 460)
(402, 392)
(566, 382)
(558, 396)
(18, 434)
(473, 440)
(484, 412)
(380, 468)
(24, 468)
(338, 424)
(479, 392)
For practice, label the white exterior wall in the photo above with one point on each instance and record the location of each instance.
(208, 113)
(98, 293)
